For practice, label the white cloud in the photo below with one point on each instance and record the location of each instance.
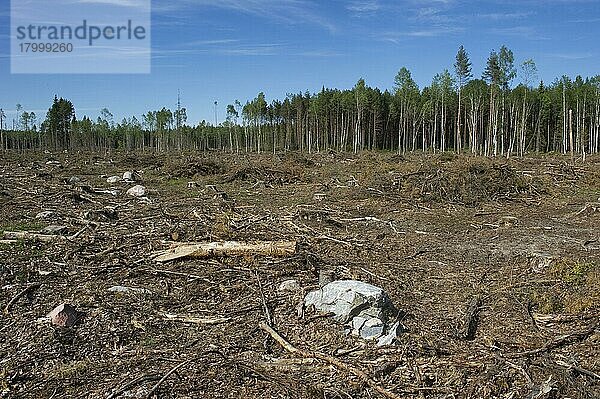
(397, 37)
(293, 12)
(572, 56)
(362, 7)
(501, 16)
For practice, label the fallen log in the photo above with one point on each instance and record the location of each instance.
(226, 248)
(26, 235)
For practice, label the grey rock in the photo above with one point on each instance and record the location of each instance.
(363, 307)
(348, 298)
(113, 179)
(357, 324)
(74, 180)
(128, 177)
(540, 261)
(137, 191)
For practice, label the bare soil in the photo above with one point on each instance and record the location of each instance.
(436, 232)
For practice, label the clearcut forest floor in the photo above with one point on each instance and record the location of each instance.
(436, 232)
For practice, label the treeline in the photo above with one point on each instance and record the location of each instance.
(456, 112)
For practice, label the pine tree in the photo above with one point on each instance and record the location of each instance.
(462, 68)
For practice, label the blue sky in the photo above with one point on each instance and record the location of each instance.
(231, 49)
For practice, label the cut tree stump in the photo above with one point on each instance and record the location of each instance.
(471, 319)
(226, 248)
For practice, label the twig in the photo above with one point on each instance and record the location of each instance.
(324, 237)
(578, 369)
(174, 369)
(560, 341)
(373, 274)
(131, 384)
(516, 367)
(264, 302)
(19, 295)
(329, 359)
(168, 272)
(195, 320)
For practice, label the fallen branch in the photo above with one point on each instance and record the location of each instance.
(264, 301)
(557, 343)
(193, 277)
(226, 248)
(578, 369)
(329, 359)
(19, 295)
(131, 384)
(195, 320)
(174, 369)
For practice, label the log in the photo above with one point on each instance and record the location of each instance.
(226, 248)
(26, 235)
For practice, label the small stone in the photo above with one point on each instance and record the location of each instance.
(127, 290)
(74, 180)
(65, 315)
(137, 191)
(291, 286)
(113, 179)
(128, 177)
(44, 215)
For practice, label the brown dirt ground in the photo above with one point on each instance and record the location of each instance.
(433, 231)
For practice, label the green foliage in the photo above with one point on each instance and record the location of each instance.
(455, 112)
(58, 121)
(462, 67)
